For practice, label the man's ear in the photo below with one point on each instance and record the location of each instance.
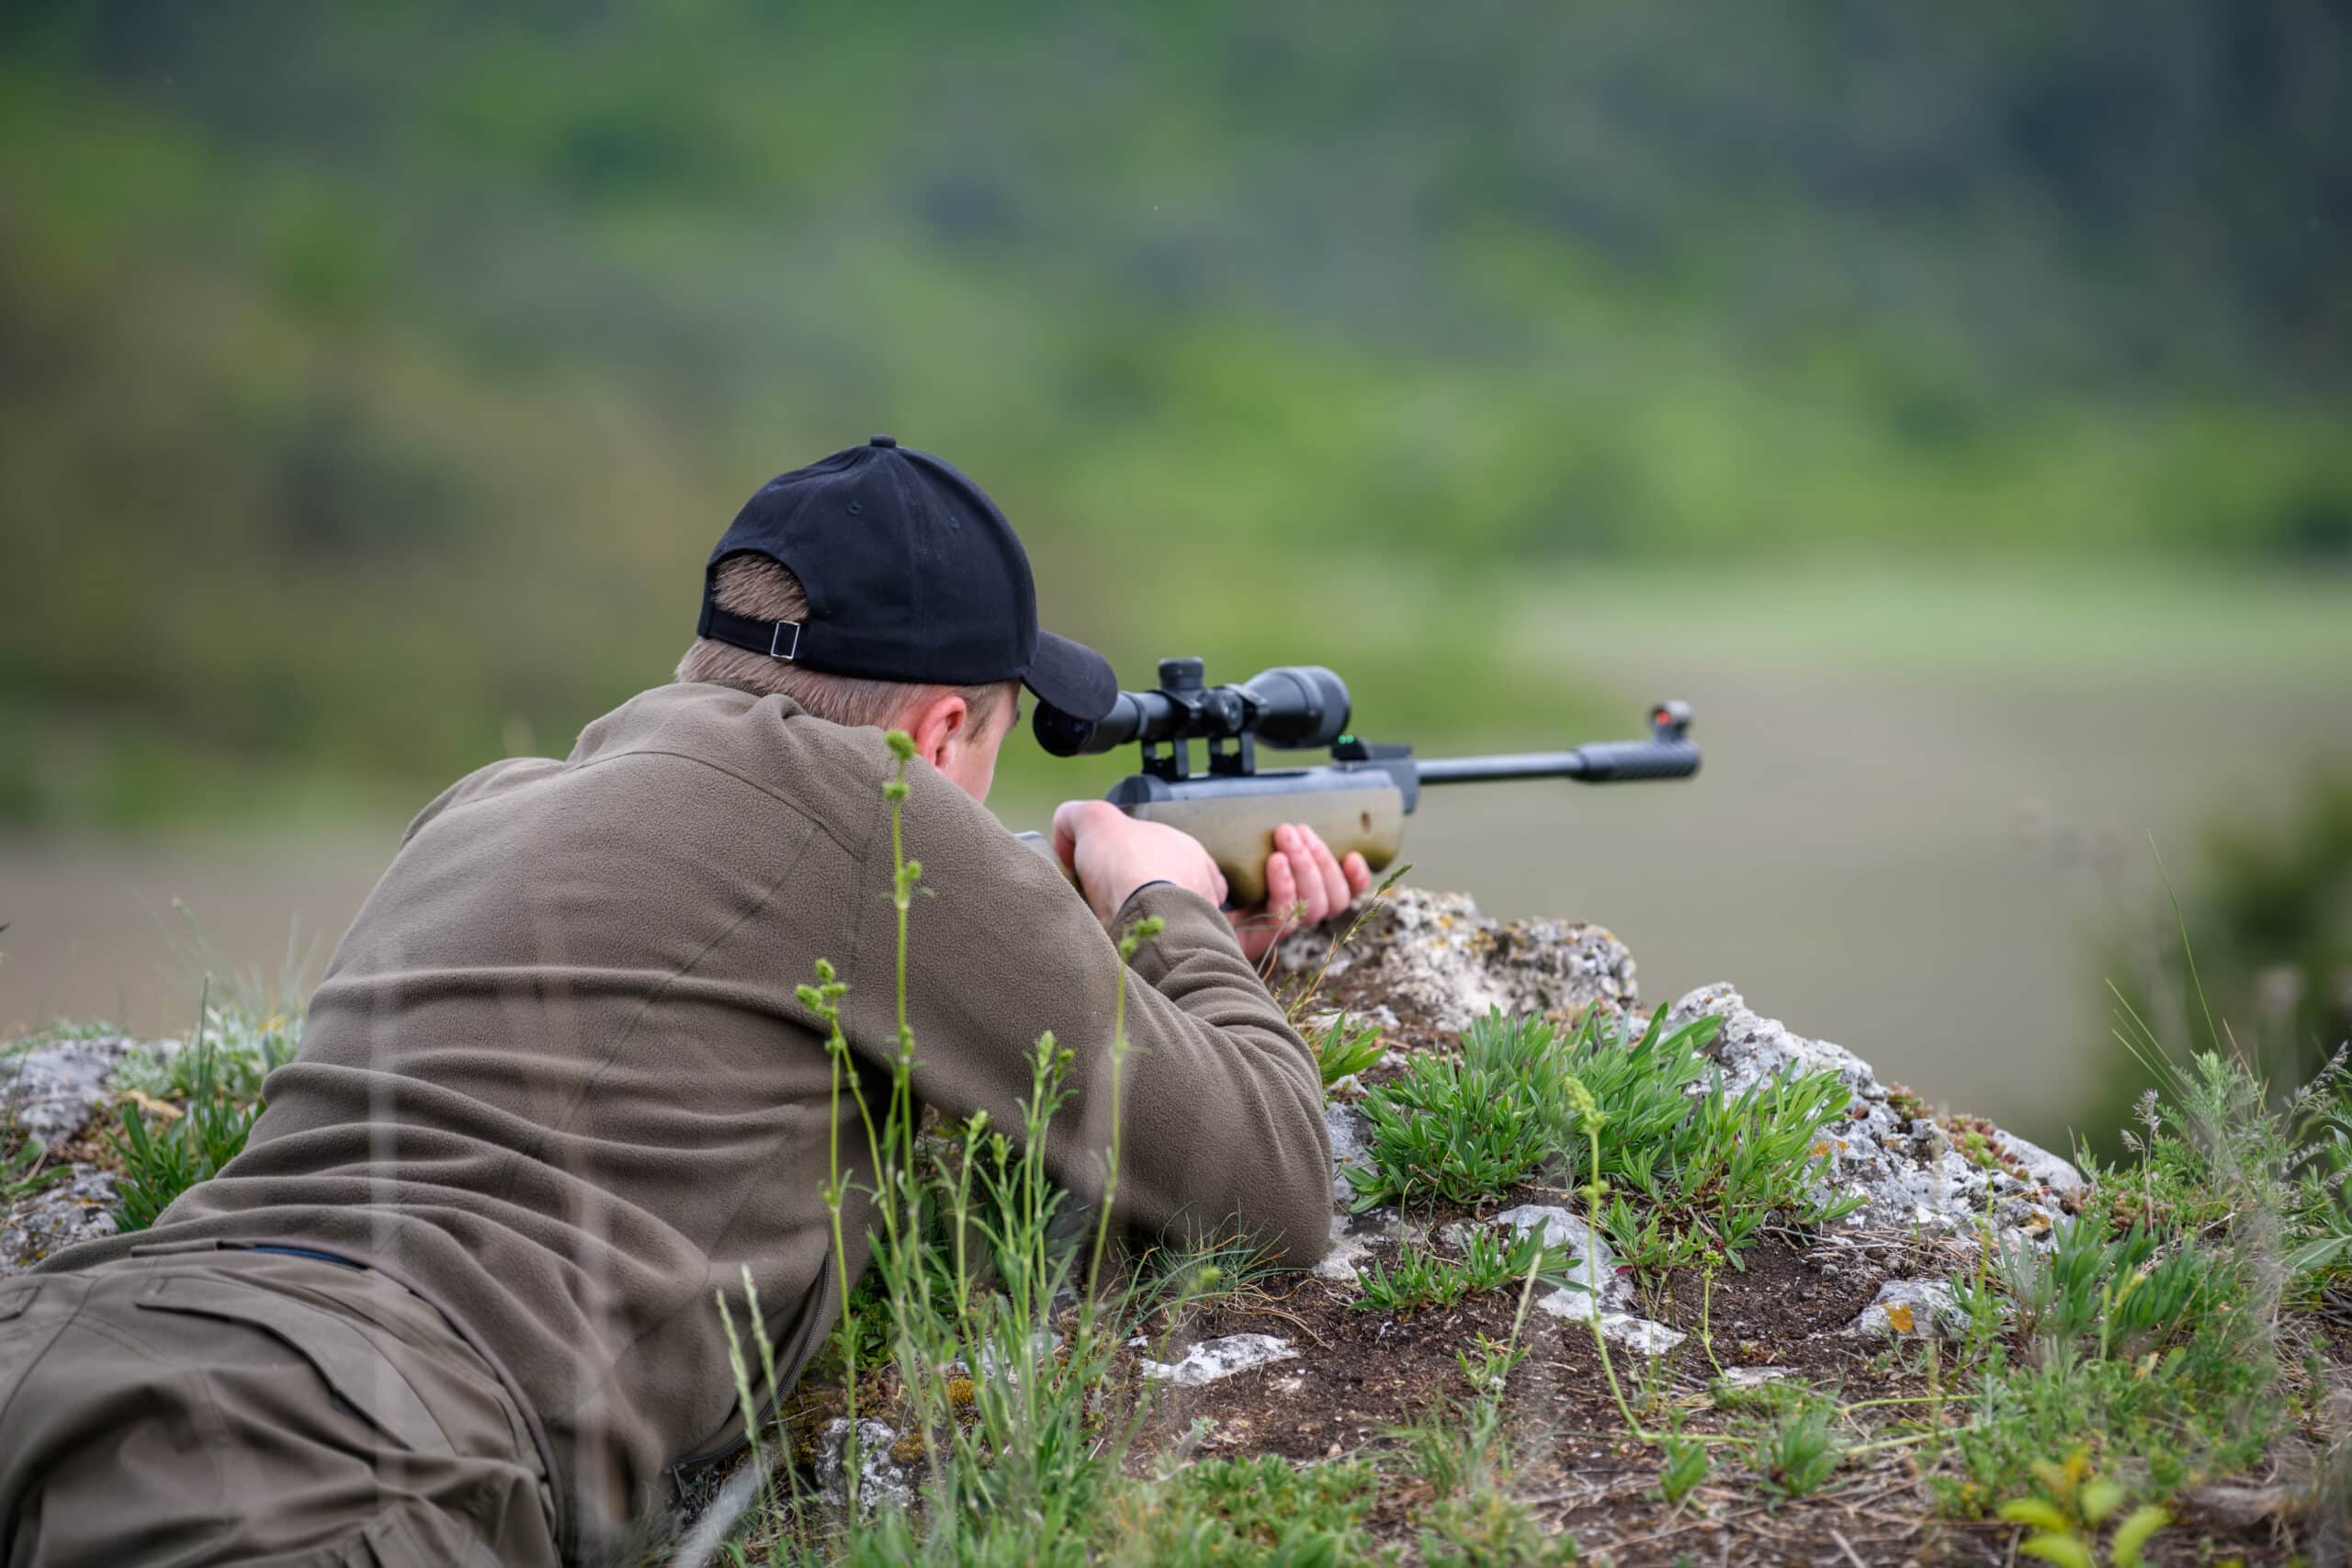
(943, 722)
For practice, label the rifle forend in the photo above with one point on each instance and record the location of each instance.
(1358, 801)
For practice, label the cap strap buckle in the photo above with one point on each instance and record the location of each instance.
(775, 640)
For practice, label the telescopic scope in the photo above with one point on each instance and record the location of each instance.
(1291, 707)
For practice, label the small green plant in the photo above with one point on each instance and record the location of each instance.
(1621, 1107)
(1686, 1466)
(1798, 1452)
(2122, 1294)
(2071, 1510)
(161, 1154)
(244, 1046)
(2146, 1326)
(1344, 1048)
(1489, 1528)
(1489, 1261)
(1224, 1511)
(1467, 1129)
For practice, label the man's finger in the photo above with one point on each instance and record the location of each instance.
(1326, 866)
(1281, 887)
(1312, 895)
(1359, 875)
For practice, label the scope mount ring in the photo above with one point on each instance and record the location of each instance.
(1170, 760)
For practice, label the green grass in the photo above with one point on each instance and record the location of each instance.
(214, 1081)
(1464, 1451)
(1490, 1259)
(1220, 1512)
(25, 1173)
(1687, 1464)
(234, 1051)
(2070, 1511)
(1677, 1168)
(2155, 1333)
(1344, 1048)
(1796, 1453)
(1460, 1131)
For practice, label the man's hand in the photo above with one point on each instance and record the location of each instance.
(1305, 886)
(1113, 854)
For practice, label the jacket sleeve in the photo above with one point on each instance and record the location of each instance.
(1220, 1127)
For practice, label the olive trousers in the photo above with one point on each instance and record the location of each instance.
(218, 1406)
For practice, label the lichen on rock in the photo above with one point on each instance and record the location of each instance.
(1435, 960)
(80, 1208)
(880, 1477)
(1912, 1309)
(52, 1092)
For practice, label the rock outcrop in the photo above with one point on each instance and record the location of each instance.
(1433, 961)
(1910, 1167)
(56, 1093)
(1426, 965)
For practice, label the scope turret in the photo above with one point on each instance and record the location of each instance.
(1293, 707)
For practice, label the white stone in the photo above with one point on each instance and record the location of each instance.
(1591, 1262)
(1351, 1239)
(1213, 1359)
(1003, 1363)
(1566, 1302)
(2057, 1174)
(1911, 1309)
(1753, 1377)
(1640, 1334)
(1351, 1132)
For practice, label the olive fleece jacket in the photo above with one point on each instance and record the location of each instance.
(557, 1081)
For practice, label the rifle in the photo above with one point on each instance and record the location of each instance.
(1357, 801)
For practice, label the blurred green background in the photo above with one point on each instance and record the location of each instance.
(1954, 403)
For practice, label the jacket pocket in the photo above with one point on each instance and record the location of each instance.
(349, 1363)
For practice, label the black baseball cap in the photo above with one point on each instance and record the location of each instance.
(911, 573)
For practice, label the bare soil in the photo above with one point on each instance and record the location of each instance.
(1359, 1375)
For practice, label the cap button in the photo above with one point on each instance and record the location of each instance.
(883, 441)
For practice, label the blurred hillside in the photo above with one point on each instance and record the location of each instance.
(376, 377)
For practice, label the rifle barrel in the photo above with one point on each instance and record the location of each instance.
(1514, 765)
(1601, 762)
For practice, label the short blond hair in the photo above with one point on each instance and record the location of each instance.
(755, 586)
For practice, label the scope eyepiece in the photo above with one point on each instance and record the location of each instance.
(1291, 707)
